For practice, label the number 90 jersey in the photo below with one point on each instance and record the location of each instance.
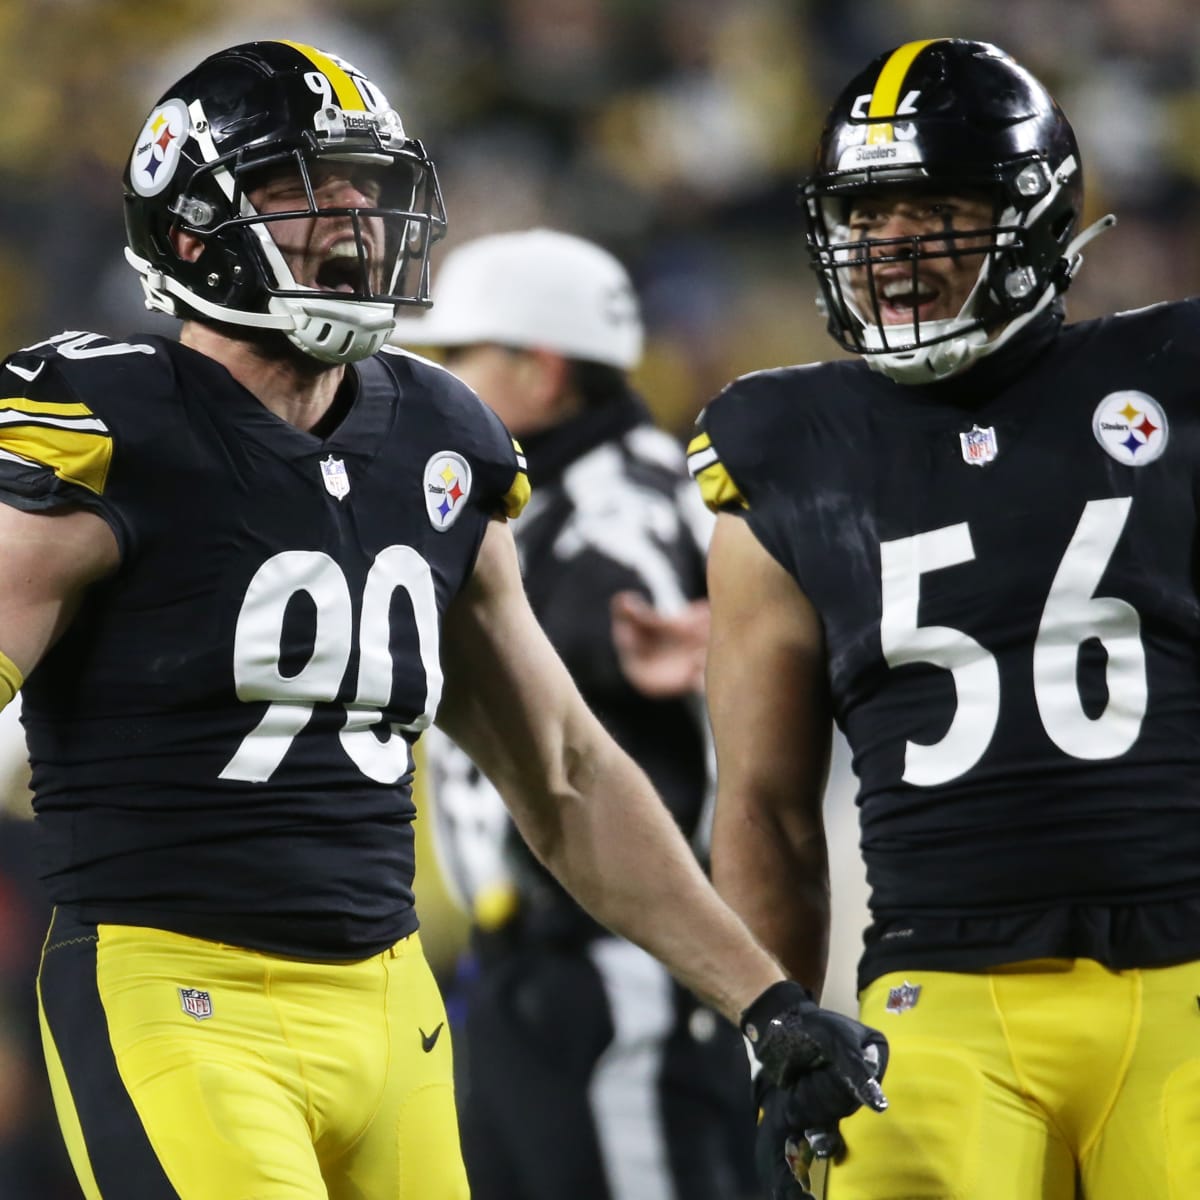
(221, 740)
(1005, 567)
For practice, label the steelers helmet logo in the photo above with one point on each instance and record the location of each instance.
(1131, 427)
(159, 145)
(447, 485)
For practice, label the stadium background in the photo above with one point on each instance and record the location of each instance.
(672, 131)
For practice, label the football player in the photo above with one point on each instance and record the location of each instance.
(545, 327)
(973, 547)
(242, 572)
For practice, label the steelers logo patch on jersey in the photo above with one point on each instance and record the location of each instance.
(1131, 427)
(157, 150)
(447, 485)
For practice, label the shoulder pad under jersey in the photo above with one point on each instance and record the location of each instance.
(469, 428)
(1173, 323)
(62, 406)
(742, 436)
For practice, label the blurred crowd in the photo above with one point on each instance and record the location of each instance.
(672, 131)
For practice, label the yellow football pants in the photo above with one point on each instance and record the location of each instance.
(1049, 1080)
(185, 1068)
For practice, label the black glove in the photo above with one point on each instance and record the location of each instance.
(781, 1155)
(827, 1064)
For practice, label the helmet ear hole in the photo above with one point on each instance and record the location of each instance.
(187, 246)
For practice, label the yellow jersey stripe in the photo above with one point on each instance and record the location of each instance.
(700, 453)
(517, 495)
(886, 96)
(75, 456)
(718, 489)
(49, 408)
(10, 679)
(347, 93)
(716, 484)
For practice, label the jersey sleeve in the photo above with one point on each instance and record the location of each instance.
(78, 413)
(744, 456)
(500, 482)
(55, 449)
(504, 481)
(737, 450)
(517, 494)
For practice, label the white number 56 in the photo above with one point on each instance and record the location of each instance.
(1072, 616)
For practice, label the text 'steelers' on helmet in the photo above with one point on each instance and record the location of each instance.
(960, 118)
(265, 111)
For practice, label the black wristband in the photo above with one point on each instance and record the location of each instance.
(778, 998)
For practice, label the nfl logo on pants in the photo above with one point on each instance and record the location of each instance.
(196, 1003)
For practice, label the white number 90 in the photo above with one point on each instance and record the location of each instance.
(257, 645)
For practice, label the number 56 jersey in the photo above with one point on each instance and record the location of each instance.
(1005, 568)
(221, 739)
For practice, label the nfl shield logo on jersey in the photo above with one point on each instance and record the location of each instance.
(337, 481)
(901, 999)
(447, 486)
(978, 445)
(196, 1003)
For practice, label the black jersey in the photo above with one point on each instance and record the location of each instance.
(1005, 566)
(221, 740)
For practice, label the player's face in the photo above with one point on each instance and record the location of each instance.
(322, 252)
(939, 285)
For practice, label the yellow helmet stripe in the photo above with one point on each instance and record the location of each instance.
(347, 93)
(886, 95)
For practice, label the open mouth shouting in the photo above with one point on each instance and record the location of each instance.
(341, 269)
(905, 299)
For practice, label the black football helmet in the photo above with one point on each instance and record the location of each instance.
(954, 117)
(270, 110)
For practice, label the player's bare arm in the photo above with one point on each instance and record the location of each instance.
(47, 560)
(581, 803)
(771, 721)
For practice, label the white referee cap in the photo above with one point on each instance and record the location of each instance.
(536, 289)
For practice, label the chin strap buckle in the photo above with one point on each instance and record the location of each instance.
(1072, 257)
(158, 299)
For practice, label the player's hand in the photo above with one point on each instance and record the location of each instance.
(827, 1064)
(662, 656)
